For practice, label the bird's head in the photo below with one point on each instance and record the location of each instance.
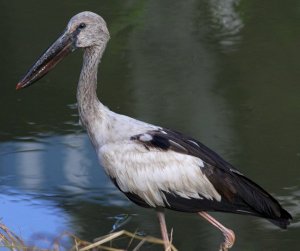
(86, 29)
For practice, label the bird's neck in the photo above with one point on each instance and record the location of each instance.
(89, 106)
(87, 86)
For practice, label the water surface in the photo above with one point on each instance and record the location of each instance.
(224, 71)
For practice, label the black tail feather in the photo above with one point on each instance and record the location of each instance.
(261, 202)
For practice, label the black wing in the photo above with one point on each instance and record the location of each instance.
(239, 194)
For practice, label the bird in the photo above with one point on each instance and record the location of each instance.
(155, 167)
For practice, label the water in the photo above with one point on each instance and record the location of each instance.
(224, 71)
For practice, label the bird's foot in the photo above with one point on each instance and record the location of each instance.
(229, 239)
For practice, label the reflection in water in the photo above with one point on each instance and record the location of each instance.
(29, 162)
(167, 79)
(57, 161)
(37, 215)
(227, 21)
(75, 165)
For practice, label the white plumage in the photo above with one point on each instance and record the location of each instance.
(147, 173)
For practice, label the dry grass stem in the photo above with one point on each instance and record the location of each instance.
(116, 235)
(12, 242)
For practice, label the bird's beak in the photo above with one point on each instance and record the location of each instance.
(63, 46)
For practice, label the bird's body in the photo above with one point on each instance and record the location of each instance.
(153, 166)
(158, 167)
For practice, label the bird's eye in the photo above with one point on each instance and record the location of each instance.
(81, 26)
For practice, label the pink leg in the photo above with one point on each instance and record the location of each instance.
(228, 233)
(163, 228)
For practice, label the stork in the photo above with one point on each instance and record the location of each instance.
(154, 167)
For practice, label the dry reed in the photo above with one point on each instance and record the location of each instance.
(13, 242)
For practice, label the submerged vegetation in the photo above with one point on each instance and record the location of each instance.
(109, 242)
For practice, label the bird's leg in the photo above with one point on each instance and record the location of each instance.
(163, 228)
(228, 233)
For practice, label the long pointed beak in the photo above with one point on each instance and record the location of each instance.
(63, 46)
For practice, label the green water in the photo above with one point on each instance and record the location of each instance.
(225, 71)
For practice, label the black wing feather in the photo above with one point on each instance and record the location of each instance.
(239, 194)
